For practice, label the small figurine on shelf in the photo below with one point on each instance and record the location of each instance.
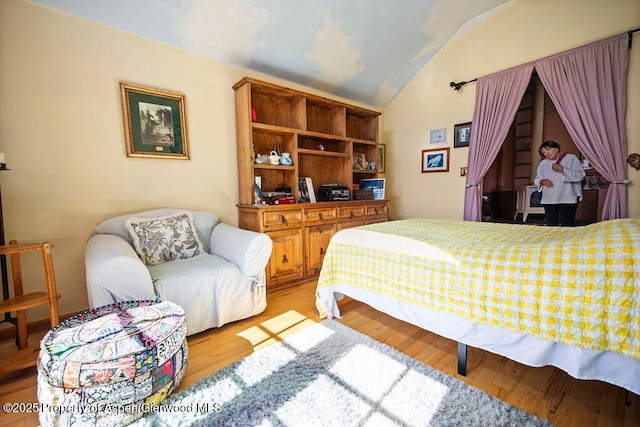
(371, 166)
(321, 147)
(359, 161)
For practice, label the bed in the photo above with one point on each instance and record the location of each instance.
(567, 297)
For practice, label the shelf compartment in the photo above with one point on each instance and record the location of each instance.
(274, 177)
(309, 141)
(325, 117)
(325, 170)
(370, 153)
(326, 153)
(278, 108)
(265, 139)
(361, 124)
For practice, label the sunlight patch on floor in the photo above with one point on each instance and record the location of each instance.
(276, 329)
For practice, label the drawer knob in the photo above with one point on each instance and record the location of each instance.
(285, 259)
(320, 215)
(350, 214)
(321, 251)
(283, 219)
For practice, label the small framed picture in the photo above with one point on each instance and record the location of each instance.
(438, 136)
(461, 134)
(436, 160)
(381, 156)
(154, 122)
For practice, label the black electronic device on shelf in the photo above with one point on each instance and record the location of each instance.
(333, 192)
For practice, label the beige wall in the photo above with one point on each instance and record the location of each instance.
(519, 32)
(61, 130)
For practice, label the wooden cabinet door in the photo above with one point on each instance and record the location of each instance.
(316, 243)
(285, 264)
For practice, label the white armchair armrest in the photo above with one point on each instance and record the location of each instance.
(249, 250)
(115, 272)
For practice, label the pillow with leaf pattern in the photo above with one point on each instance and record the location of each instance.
(159, 240)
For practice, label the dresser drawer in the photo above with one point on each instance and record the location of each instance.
(350, 211)
(320, 214)
(278, 220)
(376, 209)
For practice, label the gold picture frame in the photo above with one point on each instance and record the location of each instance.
(381, 157)
(155, 124)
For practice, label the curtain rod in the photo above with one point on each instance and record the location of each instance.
(457, 86)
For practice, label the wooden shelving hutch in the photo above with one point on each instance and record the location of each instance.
(322, 136)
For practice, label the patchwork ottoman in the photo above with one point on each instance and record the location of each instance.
(110, 365)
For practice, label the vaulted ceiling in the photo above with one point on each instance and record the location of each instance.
(363, 50)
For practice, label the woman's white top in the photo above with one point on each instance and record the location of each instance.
(567, 185)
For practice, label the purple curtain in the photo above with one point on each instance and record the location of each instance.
(588, 87)
(497, 99)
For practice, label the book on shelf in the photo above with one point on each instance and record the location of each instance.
(305, 188)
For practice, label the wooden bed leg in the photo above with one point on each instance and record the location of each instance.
(462, 359)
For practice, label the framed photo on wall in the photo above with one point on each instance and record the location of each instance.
(461, 134)
(436, 160)
(438, 136)
(381, 157)
(154, 122)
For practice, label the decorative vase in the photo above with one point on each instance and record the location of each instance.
(286, 159)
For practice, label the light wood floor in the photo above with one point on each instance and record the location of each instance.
(545, 392)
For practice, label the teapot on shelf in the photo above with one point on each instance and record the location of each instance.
(274, 158)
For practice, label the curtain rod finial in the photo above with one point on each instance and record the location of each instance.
(456, 86)
(459, 85)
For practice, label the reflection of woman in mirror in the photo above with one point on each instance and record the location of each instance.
(559, 177)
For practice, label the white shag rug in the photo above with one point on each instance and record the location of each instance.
(331, 375)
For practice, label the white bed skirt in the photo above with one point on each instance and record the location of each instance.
(581, 363)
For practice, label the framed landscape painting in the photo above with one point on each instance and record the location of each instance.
(154, 122)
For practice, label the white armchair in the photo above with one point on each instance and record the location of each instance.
(223, 282)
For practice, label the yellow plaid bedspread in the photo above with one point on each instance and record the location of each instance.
(578, 286)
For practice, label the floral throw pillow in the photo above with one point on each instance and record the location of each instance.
(159, 240)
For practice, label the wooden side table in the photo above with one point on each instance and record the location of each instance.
(27, 355)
